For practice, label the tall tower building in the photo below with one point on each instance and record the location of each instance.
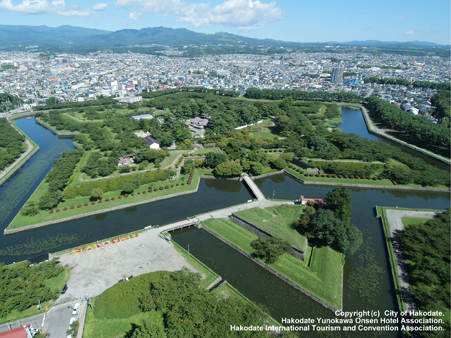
(337, 75)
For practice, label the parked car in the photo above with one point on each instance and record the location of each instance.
(75, 312)
(63, 291)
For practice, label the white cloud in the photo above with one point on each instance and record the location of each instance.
(245, 14)
(400, 17)
(134, 16)
(410, 33)
(57, 7)
(100, 6)
(247, 28)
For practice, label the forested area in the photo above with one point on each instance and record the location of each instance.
(405, 82)
(52, 103)
(427, 255)
(158, 93)
(11, 144)
(8, 102)
(23, 285)
(442, 102)
(58, 179)
(331, 225)
(418, 129)
(279, 94)
(188, 310)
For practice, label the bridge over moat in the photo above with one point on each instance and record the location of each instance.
(255, 190)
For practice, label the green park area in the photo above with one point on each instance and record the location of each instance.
(160, 304)
(280, 221)
(425, 244)
(323, 278)
(90, 179)
(24, 285)
(80, 205)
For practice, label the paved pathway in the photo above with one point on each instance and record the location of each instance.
(256, 191)
(383, 132)
(396, 226)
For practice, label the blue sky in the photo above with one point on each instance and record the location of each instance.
(289, 20)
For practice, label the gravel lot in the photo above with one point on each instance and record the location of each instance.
(94, 271)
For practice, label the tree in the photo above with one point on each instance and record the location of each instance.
(279, 164)
(339, 202)
(149, 329)
(136, 183)
(269, 249)
(188, 166)
(325, 225)
(287, 103)
(214, 159)
(318, 143)
(256, 168)
(128, 188)
(30, 209)
(96, 193)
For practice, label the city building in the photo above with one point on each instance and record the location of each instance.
(337, 75)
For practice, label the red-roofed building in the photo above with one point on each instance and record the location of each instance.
(21, 332)
(304, 201)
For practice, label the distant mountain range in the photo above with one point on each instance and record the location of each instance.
(62, 37)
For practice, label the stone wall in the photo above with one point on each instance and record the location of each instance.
(53, 130)
(256, 230)
(274, 272)
(19, 165)
(266, 175)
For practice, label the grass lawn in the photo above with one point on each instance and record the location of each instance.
(110, 328)
(168, 161)
(208, 275)
(338, 180)
(323, 278)
(203, 151)
(44, 216)
(413, 220)
(278, 221)
(55, 284)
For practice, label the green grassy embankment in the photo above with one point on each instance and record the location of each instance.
(279, 221)
(109, 328)
(208, 275)
(44, 216)
(337, 180)
(323, 278)
(55, 284)
(391, 253)
(413, 220)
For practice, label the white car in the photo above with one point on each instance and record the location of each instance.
(75, 312)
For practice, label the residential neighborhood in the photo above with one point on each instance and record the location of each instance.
(36, 77)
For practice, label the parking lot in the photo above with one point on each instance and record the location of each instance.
(94, 271)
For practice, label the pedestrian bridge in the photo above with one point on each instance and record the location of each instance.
(255, 190)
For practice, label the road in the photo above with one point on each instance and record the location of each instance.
(56, 321)
(396, 226)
